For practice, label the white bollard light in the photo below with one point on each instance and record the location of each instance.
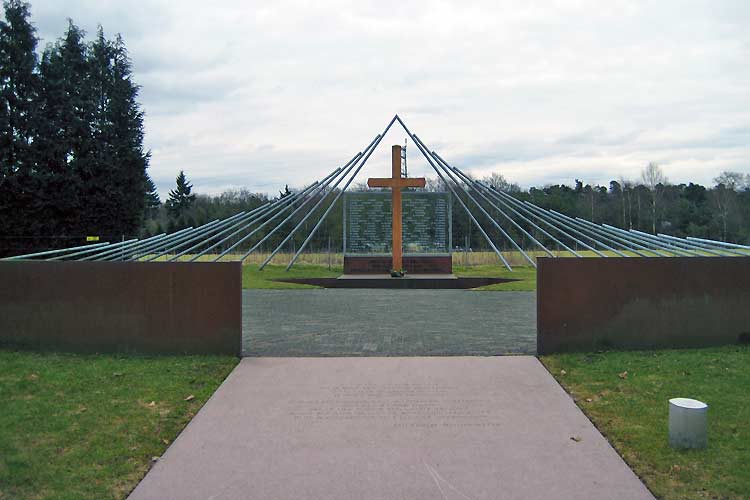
(688, 424)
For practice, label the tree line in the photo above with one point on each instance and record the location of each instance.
(72, 161)
(650, 204)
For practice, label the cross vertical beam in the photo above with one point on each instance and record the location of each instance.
(396, 182)
(397, 230)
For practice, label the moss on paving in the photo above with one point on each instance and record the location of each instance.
(626, 395)
(74, 426)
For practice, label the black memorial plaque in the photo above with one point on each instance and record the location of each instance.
(426, 223)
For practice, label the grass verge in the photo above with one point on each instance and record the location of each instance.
(75, 426)
(525, 274)
(626, 395)
(252, 278)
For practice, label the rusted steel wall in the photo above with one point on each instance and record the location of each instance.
(122, 306)
(382, 264)
(632, 303)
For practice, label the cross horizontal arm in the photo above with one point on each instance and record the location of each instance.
(388, 182)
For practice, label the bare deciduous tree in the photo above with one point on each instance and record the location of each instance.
(732, 180)
(654, 180)
(497, 181)
(435, 185)
(724, 196)
(627, 203)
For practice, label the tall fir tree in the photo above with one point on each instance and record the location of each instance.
(152, 201)
(180, 198)
(126, 138)
(64, 139)
(93, 142)
(19, 188)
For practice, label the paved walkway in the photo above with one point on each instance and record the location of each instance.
(341, 322)
(450, 428)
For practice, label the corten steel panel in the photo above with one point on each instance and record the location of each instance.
(122, 306)
(381, 264)
(633, 303)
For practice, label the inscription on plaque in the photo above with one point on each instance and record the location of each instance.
(426, 223)
(397, 405)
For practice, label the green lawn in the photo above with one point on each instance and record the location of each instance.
(252, 278)
(526, 275)
(626, 395)
(74, 427)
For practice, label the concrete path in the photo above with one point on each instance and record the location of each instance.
(341, 322)
(453, 428)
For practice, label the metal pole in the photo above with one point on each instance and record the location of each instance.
(82, 252)
(422, 149)
(491, 192)
(658, 241)
(474, 184)
(627, 243)
(663, 246)
(556, 220)
(308, 197)
(541, 215)
(171, 239)
(720, 243)
(320, 189)
(130, 244)
(113, 249)
(53, 252)
(573, 223)
(202, 233)
(649, 246)
(703, 247)
(172, 243)
(481, 208)
(682, 243)
(370, 148)
(257, 214)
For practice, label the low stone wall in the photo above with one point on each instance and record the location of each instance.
(414, 264)
(191, 308)
(586, 304)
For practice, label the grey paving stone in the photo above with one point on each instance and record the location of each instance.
(354, 322)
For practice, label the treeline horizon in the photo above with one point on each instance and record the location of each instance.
(651, 204)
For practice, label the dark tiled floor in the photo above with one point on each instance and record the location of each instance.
(342, 322)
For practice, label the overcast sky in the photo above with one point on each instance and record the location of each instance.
(255, 94)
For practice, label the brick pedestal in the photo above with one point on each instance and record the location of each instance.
(414, 264)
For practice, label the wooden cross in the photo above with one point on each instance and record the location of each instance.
(396, 182)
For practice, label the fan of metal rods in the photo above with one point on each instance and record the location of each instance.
(509, 217)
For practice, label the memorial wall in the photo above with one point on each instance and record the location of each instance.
(426, 223)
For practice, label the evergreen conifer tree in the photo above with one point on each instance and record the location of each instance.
(18, 88)
(122, 134)
(18, 100)
(152, 196)
(63, 140)
(65, 144)
(181, 198)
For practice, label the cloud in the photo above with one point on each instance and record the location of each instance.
(260, 94)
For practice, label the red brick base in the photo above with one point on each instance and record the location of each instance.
(381, 264)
